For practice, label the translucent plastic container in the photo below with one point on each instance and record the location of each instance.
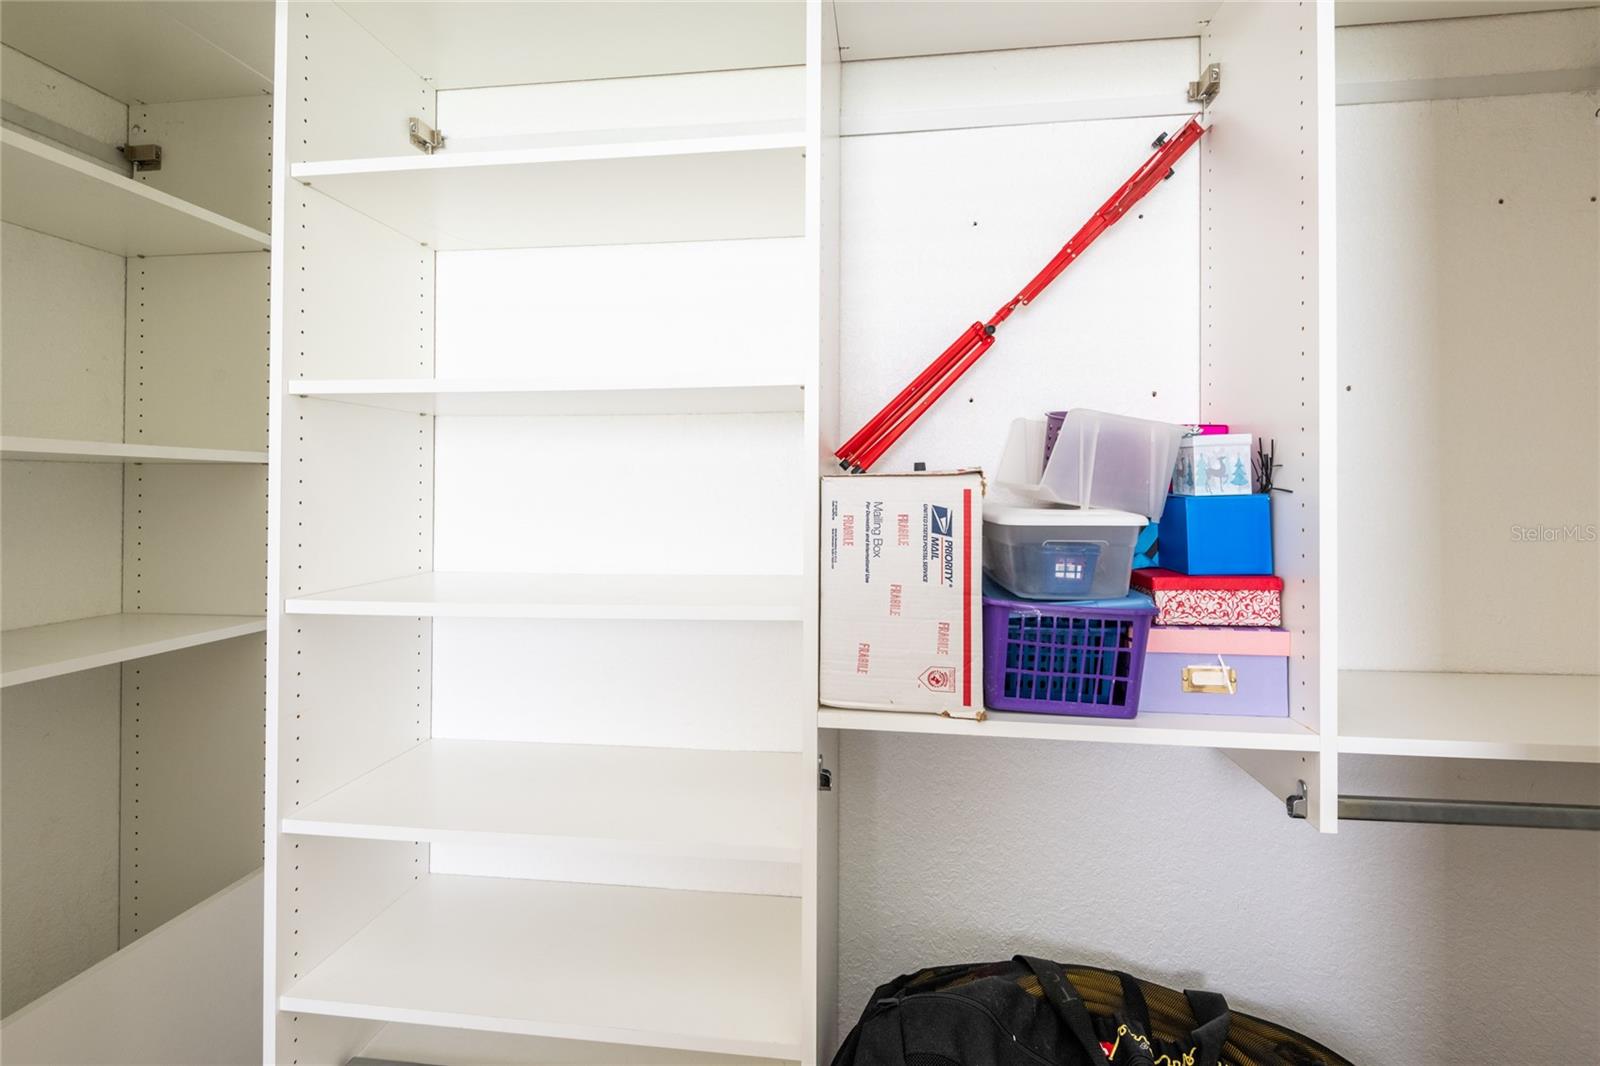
(1060, 553)
(1105, 460)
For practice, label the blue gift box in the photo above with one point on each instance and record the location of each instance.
(1217, 534)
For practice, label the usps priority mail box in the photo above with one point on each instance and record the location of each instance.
(902, 566)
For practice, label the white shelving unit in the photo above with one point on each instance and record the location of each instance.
(550, 404)
(133, 619)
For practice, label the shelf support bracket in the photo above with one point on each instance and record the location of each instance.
(424, 138)
(144, 157)
(1205, 90)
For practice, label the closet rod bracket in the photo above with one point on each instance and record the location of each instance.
(1205, 90)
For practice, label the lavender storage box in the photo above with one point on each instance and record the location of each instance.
(1193, 670)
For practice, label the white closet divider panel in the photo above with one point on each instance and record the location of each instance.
(354, 93)
(62, 336)
(367, 310)
(1267, 357)
(646, 494)
(697, 970)
(196, 352)
(329, 890)
(58, 758)
(60, 541)
(191, 778)
(717, 685)
(183, 995)
(698, 313)
(193, 539)
(820, 752)
(216, 154)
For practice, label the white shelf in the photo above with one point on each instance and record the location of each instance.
(1177, 730)
(1532, 717)
(432, 396)
(45, 449)
(38, 652)
(708, 597)
(193, 982)
(698, 971)
(647, 801)
(58, 193)
(633, 191)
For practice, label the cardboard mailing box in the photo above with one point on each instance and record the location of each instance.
(902, 565)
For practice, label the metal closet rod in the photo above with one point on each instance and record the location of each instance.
(1456, 812)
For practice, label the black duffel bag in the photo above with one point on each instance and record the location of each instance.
(1029, 1012)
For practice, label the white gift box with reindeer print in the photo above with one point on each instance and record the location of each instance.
(1214, 465)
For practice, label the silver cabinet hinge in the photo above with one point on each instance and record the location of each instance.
(424, 137)
(1205, 90)
(824, 777)
(143, 156)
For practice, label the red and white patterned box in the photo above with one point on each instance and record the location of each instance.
(1184, 600)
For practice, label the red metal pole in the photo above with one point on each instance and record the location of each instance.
(889, 424)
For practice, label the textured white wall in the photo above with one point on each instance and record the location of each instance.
(1406, 944)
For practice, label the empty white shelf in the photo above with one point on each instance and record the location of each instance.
(632, 191)
(698, 971)
(1176, 730)
(64, 195)
(1538, 717)
(38, 652)
(192, 982)
(704, 597)
(46, 449)
(656, 801)
(432, 396)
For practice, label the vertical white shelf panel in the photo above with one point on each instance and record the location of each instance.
(1267, 352)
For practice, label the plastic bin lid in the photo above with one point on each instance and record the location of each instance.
(1062, 516)
(993, 592)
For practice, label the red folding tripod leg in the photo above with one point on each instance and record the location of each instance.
(875, 438)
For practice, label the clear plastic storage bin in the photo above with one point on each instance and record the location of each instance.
(1105, 460)
(1060, 553)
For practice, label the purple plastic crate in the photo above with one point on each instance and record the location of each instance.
(1052, 430)
(1064, 658)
